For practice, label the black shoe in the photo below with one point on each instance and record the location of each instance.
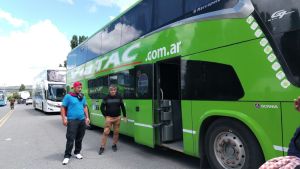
(101, 150)
(114, 147)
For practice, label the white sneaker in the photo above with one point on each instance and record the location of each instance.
(78, 156)
(65, 161)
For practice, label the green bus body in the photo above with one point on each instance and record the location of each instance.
(266, 107)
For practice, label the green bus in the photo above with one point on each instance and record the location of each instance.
(214, 79)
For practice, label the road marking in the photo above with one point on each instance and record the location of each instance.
(5, 118)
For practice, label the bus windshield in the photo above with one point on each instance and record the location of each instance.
(1, 96)
(282, 19)
(56, 92)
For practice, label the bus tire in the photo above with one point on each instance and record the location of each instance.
(229, 144)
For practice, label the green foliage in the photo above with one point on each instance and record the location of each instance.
(22, 88)
(9, 98)
(82, 39)
(14, 96)
(76, 40)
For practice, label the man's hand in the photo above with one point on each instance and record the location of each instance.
(65, 122)
(87, 121)
(125, 119)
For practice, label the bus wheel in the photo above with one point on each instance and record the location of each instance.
(231, 145)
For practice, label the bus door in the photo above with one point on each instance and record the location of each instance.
(168, 114)
(143, 120)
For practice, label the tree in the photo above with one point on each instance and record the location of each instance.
(63, 65)
(76, 40)
(82, 39)
(22, 88)
(16, 95)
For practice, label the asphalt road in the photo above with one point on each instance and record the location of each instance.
(30, 139)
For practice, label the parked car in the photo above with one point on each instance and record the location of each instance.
(28, 101)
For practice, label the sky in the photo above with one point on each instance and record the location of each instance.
(35, 35)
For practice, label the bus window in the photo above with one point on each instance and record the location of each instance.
(137, 21)
(123, 80)
(111, 36)
(209, 81)
(98, 88)
(166, 13)
(126, 83)
(56, 92)
(71, 60)
(281, 16)
(143, 83)
(93, 47)
(196, 7)
(282, 19)
(81, 55)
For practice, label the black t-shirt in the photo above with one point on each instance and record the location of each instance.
(112, 105)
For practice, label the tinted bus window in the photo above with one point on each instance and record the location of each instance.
(167, 11)
(137, 21)
(282, 19)
(93, 47)
(81, 55)
(126, 83)
(279, 15)
(71, 60)
(144, 81)
(209, 81)
(111, 36)
(98, 88)
(196, 7)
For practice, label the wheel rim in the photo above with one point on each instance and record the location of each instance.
(229, 151)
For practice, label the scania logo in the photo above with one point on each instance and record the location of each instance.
(265, 106)
(257, 105)
(279, 14)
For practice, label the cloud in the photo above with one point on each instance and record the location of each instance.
(10, 19)
(26, 53)
(122, 4)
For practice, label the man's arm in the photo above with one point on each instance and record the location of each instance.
(63, 115)
(86, 112)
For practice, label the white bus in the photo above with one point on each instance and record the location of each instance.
(3, 98)
(49, 90)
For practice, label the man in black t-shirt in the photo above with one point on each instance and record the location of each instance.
(111, 109)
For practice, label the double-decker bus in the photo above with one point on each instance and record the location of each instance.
(49, 90)
(3, 98)
(214, 79)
